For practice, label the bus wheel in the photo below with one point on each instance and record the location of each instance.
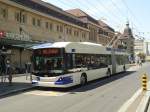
(108, 73)
(124, 68)
(83, 79)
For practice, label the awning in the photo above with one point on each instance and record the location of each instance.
(19, 43)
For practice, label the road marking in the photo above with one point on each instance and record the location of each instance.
(45, 93)
(126, 105)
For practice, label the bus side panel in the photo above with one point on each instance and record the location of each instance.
(96, 73)
(76, 78)
(127, 66)
(119, 68)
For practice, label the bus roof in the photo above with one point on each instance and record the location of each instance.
(61, 45)
(78, 47)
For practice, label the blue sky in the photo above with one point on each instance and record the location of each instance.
(114, 12)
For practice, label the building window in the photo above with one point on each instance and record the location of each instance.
(23, 18)
(83, 35)
(100, 31)
(38, 22)
(17, 16)
(70, 31)
(33, 22)
(67, 30)
(20, 17)
(61, 28)
(46, 25)
(3, 13)
(106, 33)
(77, 33)
(51, 26)
(58, 28)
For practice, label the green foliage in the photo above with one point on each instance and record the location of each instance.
(142, 56)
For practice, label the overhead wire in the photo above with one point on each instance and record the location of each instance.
(98, 8)
(80, 4)
(108, 10)
(134, 18)
(90, 5)
(72, 6)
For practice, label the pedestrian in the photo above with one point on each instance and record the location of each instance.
(9, 71)
(140, 62)
(28, 70)
(3, 68)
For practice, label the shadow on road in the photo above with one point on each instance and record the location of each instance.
(15, 88)
(6, 88)
(90, 85)
(102, 81)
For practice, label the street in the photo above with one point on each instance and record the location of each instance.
(104, 95)
(56, 44)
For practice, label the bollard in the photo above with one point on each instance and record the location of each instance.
(144, 82)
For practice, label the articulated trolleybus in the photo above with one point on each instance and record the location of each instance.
(66, 64)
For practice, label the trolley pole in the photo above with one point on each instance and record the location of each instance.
(144, 82)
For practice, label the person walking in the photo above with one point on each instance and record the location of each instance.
(3, 68)
(140, 62)
(28, 70)
(8, 71)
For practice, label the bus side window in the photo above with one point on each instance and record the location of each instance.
(103, 65)
(59, 63)
(103, 61)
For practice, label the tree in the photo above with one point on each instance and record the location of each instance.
(141, 55)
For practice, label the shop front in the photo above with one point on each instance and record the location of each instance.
(18, 47)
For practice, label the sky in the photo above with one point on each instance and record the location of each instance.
(115, 13)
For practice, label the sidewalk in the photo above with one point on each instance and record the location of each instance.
(19, 83)
(137, 101)
(143, 105)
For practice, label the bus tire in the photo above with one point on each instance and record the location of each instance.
(124, 68)
(83, 79)
(108, 72)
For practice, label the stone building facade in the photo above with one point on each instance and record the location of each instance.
(27, 22)
(100, 32)
(24, 23)
(127, 40)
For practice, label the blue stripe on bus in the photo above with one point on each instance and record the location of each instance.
(64, 80)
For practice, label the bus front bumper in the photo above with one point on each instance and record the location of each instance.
(50, 84)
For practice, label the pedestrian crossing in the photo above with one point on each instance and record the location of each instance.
(45, 93)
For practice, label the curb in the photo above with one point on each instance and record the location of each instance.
(130, 101)
(143, 106)
(16, 75)
(13, 92)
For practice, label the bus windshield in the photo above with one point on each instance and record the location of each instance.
(48, 63)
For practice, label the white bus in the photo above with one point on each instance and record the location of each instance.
(66, 64)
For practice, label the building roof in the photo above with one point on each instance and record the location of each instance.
(105, 26)
(127, 32)
(47, 5)
(81, 14)
(77, 12)
(51, 10)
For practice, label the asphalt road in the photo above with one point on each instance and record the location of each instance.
(104, 95)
